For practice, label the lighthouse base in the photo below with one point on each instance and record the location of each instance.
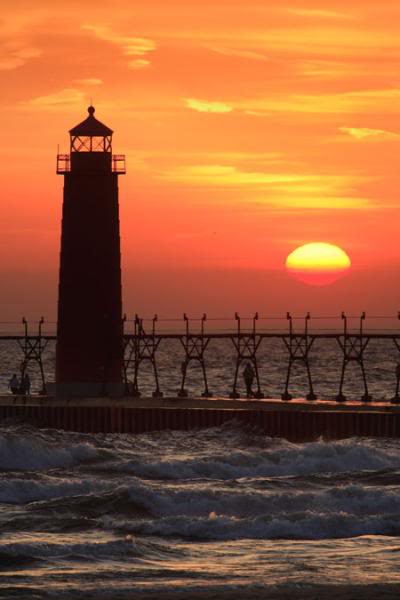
(88, 389)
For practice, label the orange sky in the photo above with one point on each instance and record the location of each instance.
(249, 128)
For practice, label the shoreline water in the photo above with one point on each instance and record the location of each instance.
(286, 592)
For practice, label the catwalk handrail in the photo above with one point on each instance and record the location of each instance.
(295, 325)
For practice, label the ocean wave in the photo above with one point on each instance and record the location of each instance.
(242, 500)
(23, 491)
(305, 525)
(197, 499)
(32, 453)
(125, 548)
(282, 458)
(96, 550)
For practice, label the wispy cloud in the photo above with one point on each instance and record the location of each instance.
(319, 203)
(58, 99)
(207, 105)
(139, 63)
(160, 161)
(90, 81)
(239, 52)
(339, 40)
(233, 175)
(131, 46)
(14, 54)
(257, 113)
(362, 101)
(330, 69)
(362, 133)
(316, 13)
(227, 175)
(289, 190)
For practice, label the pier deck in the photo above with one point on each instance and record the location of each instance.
(195, 402)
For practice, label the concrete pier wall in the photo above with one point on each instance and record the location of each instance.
(294, 423)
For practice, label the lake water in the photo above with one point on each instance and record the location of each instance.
(216, 513)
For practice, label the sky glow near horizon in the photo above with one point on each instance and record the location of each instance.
(249, 128)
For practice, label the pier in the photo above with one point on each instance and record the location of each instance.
(142, 339)
(297, 419)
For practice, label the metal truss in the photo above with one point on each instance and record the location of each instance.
(33, 347)
(353, 346)
(139, 348)
(194, 346)
(298, 346)
(246, 346)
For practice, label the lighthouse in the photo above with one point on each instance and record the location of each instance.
(89, 351)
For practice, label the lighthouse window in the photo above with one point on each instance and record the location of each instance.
(90, 144)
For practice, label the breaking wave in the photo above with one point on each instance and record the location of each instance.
(35, 454)
(281, 458)
(297, 526)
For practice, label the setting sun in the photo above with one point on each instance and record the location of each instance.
(318, 263)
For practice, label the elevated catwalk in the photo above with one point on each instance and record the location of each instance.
(298, 420)
(253, 340)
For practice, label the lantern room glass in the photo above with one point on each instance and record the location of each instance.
(91, 143)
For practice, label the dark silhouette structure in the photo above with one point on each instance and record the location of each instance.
(142, 343)
(89, 355)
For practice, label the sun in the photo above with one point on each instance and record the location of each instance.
(318, 263)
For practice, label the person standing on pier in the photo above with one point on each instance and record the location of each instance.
(397, 380)
(26, 384)
(248, 376)
(14, 384)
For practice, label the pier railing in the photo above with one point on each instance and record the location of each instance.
(143, 338)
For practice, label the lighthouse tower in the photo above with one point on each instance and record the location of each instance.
(89, 353)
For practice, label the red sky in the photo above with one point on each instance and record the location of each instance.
(250, 128)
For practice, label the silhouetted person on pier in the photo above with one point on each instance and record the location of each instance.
(14, 384)
(183, 368)
(398, 380)
(26, 384)
(248, 376)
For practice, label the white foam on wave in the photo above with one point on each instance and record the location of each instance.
(306, 526)
(30, 454)
(243, 500)
(22, 491)
(282, 459)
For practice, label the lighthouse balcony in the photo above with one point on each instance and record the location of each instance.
(118, 164)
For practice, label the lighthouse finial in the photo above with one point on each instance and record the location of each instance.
(91, 110)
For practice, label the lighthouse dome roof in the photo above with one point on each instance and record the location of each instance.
(91, 127)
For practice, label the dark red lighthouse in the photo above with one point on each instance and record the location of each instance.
(89, 354)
